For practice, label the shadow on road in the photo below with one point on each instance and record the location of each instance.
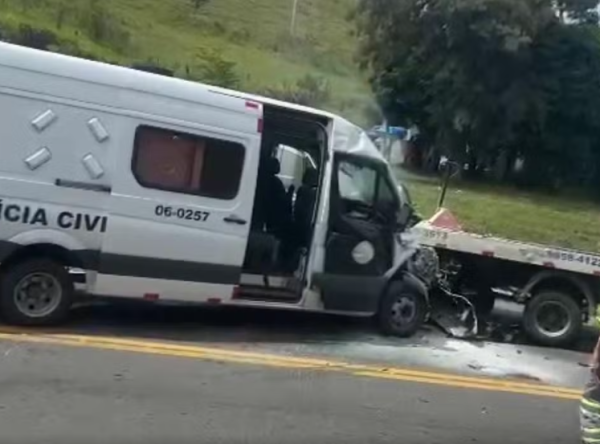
(215, 324)
(194, 323)
(322, 336)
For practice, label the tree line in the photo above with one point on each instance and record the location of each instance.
(507, 86)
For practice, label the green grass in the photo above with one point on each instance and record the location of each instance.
(252, 33)
(568, 222)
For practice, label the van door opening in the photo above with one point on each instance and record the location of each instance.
(293, 153)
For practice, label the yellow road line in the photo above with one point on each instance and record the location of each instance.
(455, 384)
(311, 362)
(149, 350)
(282, 361)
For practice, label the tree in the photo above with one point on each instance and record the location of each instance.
(566, 63)
(482, 77)
(453, 67)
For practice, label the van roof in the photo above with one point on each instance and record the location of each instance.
(104, 74)
(347, 136)
(124, 77)
(275, 103)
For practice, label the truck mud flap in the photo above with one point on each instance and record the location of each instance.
(353, 294)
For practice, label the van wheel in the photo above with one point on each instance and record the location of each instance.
(35, 292)
(402, 311)
(553, 319)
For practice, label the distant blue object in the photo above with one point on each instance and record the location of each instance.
(398, 131)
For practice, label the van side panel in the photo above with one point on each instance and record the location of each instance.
(66, 178)
(45, 143)
(175, 256)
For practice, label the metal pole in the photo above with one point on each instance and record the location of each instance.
(294, 13)
(446, 181)
(448, 173)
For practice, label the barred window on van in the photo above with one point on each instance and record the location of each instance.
(185, 163)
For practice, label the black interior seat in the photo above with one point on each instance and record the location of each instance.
(277, 202)
(262, 253)
(271, 221)
(305, 203)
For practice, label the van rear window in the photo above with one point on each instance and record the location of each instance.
(185, 163)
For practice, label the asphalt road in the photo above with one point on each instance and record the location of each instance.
(133, 373)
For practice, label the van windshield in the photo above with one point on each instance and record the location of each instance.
(357, 183)
(364, 184)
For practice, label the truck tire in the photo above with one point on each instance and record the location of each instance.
(553, 319)
(35, 292)
(402, 311)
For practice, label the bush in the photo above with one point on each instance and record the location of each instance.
(31, 37)
(154, 68)
(215, 70)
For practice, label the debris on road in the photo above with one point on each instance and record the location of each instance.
(453, 313)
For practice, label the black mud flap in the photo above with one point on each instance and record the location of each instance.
(358, 294)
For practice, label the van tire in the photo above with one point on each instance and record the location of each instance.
(566, 307)
(402, 311)
(35, 292)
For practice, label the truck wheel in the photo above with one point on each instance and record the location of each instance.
(402, 311)
(553, 319)
(35, 292)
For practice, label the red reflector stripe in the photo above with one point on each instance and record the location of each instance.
(236, 293)
(252, 105)
(488, 253)
(549, 265)
(151, 297)
(260, 126)
(596, 273)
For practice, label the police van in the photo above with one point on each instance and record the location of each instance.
(164, 189)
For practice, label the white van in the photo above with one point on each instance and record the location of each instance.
(163, 189)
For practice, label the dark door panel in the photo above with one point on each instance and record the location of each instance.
(359, 190)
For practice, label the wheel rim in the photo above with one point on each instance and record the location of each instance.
(404, 310)
(37, 295)
(552, 319)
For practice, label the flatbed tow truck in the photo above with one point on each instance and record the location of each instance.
(558, 287)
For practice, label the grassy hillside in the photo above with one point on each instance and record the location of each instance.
(251, 37)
